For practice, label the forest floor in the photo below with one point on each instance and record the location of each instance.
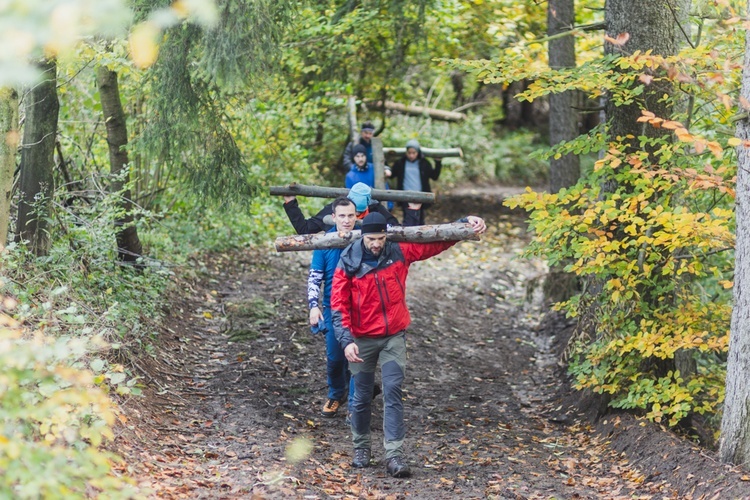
(237, 381)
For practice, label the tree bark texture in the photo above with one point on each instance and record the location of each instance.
(435, 114)
(37, 160)
(128, 244)
(563, 126)
(329, 192)
(455, 231)
(9, 138)
(563, 119)
(734, 445)
(429, 152)
(378, 160)
(650, 25)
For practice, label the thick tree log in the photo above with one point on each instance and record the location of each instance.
(455, 231)
(429, 152)
(436, 114)
(329, 192)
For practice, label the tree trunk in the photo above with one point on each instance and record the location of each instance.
(563, 119)
(455, 231)
(522, 114)
(351, 113)
(329, 192)
(37, 160)
(435, 114)
(378, 161)
(128, 244)
(563, 126)
(8, 144)
(650, 25)
(734, 446)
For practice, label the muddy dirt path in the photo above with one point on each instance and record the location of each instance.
(237, 385)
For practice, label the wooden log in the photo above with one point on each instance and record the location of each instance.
(430, 152)
(378, 161)
(437, 114)
(455, 231)
(329, 192)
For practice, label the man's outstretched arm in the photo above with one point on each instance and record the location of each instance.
(314, 224)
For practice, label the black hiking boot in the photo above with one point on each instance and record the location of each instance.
(361, 458)
(397, 467)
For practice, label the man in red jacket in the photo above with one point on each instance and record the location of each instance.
(370, 317)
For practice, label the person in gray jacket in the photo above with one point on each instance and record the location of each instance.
(414, 173)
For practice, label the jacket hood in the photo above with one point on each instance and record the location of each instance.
(351, 258)
(413, 143)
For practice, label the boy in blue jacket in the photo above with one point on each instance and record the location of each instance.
(361, 171)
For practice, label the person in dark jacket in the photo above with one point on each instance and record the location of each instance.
(414, 172)
(361, 171)
(370, 318)
(365, 139)
(360, 194)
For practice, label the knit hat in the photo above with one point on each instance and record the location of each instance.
(368, 126)
(359, 148)
(413, 143)
(360, 195)
(374, 223)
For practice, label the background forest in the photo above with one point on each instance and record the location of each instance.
(141, 135)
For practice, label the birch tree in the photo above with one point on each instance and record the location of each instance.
(734, 446)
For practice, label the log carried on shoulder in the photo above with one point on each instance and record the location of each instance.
(329, 192)
(455, 231)
(429, 152)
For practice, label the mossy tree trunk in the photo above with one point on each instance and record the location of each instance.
(128, 244)
(37, 160)
(9, 138)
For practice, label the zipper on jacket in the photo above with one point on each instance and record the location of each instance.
(403, 289)
(382, 302)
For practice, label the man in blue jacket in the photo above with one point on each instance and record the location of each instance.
(321, 272)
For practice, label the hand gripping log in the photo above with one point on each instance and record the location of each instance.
(295, 189)
(455, 231)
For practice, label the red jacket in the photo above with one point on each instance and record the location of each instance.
(371, 302)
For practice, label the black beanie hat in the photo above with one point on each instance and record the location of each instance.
(374, 223)
(359, 148)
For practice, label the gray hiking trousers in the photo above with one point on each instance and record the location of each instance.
(390, 352)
